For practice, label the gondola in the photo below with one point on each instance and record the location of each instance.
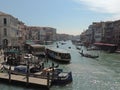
(88, 55)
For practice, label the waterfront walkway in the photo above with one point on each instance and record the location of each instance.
(23, 79)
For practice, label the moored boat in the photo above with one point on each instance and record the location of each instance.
(58, 76)
(63, 78)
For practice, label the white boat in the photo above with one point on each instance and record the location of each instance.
(58, 54)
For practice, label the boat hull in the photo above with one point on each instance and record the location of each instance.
(88, 56)
(60, 81)
(58, 59)
(63, 57)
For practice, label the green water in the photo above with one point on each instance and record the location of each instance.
(88, 74)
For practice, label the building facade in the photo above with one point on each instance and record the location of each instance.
(10, 30)
(40, 33)
(116, 33)
(105, 32)
(15, 33)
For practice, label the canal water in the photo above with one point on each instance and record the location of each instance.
(88, 74)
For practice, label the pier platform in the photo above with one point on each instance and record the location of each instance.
(23, 79)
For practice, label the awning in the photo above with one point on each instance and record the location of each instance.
(105, 44)
(13, 51)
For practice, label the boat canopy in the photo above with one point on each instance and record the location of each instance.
(58, 50)
(37, 45)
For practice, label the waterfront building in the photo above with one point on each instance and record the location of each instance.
(108, 32)
(10, 30)
(50, 33)
(99, 32)
(83, 38)
(94, 33)
(36, 33)
(116, 33)
(65, 37)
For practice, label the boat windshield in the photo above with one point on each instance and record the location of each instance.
(63, 74)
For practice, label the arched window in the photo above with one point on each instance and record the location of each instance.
(5, 42)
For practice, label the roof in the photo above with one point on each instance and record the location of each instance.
(2, 13)
(105, 44)
(13, 51)
(37, 46)
(58, 50)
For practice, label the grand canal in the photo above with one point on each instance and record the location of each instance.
(88, 74)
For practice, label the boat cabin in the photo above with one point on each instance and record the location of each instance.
(58, 54)
(37, 49)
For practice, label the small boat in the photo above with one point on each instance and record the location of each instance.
(63, 43)
(78, 47)
(58, 54)
(88, 55)
(59, 76)
(62, 78)
(23, 69)
(69, 47)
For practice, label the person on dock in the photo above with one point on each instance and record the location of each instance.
(5, 57)
(82, 51)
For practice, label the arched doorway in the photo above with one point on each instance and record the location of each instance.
(5, 43)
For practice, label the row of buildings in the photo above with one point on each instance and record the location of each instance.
(105, 32)
(14, 32)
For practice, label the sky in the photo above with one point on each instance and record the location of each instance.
(67, 16)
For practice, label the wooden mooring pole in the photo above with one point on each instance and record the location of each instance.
(48, 80)
(27, 75)
(9, 72)
(52, 71)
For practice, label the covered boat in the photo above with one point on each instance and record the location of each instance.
(58, 54)
(23, 69)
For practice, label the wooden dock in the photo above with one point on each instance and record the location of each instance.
(23, 79)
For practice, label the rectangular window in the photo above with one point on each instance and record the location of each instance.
(5, 32)
(5, 21)
(17, 32)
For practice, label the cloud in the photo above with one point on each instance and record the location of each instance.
(104, 6)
